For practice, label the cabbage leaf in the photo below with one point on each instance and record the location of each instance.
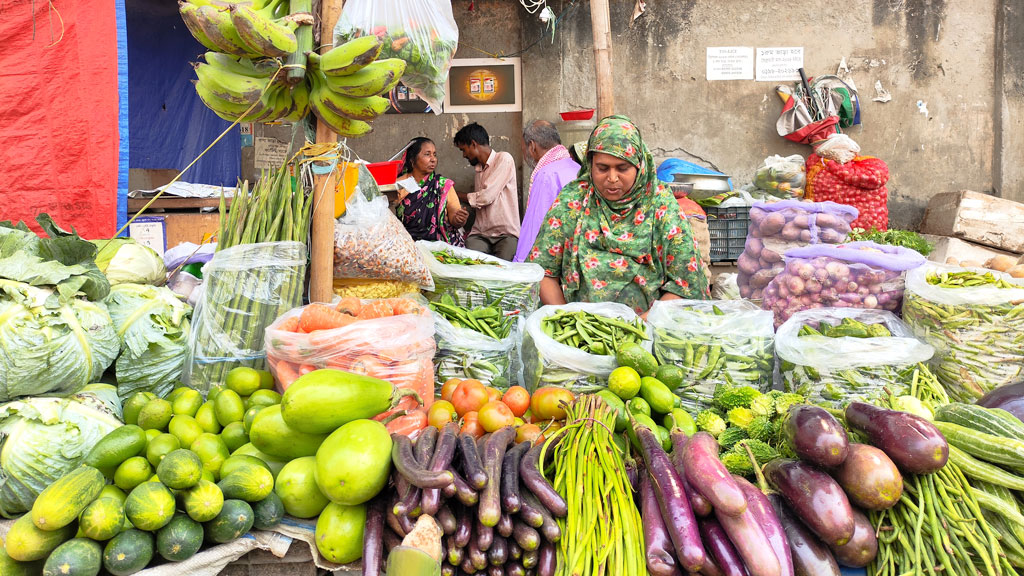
(152, 326)
(124, 260)
(41, 439)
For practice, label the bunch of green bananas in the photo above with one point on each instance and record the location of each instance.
(256, 69)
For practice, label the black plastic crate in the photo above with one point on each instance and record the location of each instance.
(728, 230)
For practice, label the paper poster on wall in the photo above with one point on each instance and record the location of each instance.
(484, 85)
(730, 63)
(270, 153)
(779, 64)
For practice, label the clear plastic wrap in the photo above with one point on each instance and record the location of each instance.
(837, 371)
(854, 275)
(782, 177)
(245, 288)
(728, 342)
(550, 363)
(515, 285)
(465, 353)
(781, 226)
(398, 347)
(977, 332)
(421, 32)
(371, 244)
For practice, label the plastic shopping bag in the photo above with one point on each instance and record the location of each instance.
(547, 362)
(854, 275)
(390, 339)
(485, 281)
(782, 177)
(465, 353)
(371, 244)
(838, 363)
(728, 342)
(977, 332)
(421, 32)
(776, 228)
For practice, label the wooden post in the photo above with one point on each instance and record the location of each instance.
(321, 274)
(600, 20)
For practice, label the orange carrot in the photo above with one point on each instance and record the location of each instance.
(406, 306)
(290, 324)
(320, 317)
(376, 309)
(306, 369)
(350, 306)
(286, 374)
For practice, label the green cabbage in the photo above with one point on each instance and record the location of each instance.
(51, 345)
(41, 439)
(152, 325)
(124, 260)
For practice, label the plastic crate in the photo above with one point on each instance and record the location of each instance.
(728, 230)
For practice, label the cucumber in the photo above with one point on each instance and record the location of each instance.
(26, 543)
(76, 557)
(982, 419)
(102, 520)
(239, 463)
(11, 567)
(180, 539)
(979, 470)
(234, 520)
(128, 552)
(61, 502)
(116, 447)
(268, 512)
(251, 485)
(984, 446)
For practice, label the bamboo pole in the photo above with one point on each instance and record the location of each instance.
(321, 274)
(600, 21)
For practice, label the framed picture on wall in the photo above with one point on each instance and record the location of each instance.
(484, 85)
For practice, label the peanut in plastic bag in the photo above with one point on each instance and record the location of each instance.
(371, 244)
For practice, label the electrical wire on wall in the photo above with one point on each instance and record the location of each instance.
(552, 25)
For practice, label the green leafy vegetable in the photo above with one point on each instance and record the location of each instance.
(124, 260)
(903, 238)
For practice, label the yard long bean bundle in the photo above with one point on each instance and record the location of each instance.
(602, 534)
(974, 320)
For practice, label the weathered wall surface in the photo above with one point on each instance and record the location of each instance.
(954, 120)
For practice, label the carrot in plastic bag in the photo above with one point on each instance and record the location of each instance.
(286, 373)
(290, 324)
(350, 306)
(320, 317)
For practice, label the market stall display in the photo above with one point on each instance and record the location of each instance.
(779, 227)
(476, 343)
(854, 275)
(473, 278)
(975, 321)
(727, 343)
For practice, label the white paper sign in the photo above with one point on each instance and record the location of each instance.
(270, 153)
(730, 63)
(779, 64)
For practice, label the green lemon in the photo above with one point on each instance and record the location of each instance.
(187, 402)
(207, 418)
(134, 405)
(638, 405)
(681, 419)
(244, 381)
(624, 382)
(250, 415)
(185, 428)
(132, 472)
(161, 446)
(228, 407)
(266, 380)
(156, 415)
(234, 436)
(262, 398)
(671, 375)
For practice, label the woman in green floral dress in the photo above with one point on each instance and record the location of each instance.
(615, 234)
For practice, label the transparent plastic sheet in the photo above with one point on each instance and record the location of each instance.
(978, 333)
(727, 342)
(725, 287)
(781, 226)
(398, 348)
(515, 285)
(245, 289)
(855, 275)
(464, 353)
(782, 177)
(371, 244)
(421, 32)
(837, 371)
(550, 363)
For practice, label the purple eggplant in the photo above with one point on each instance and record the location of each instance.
(810, 556)
(504, 526)
(1009, 398)
(759, 505)
(463, 528)
(711, 567)
(815, 497)
(658, 545)
(546, 562)
(444, 451)
(870, 478)
(475, 476)
(815, 435)
(716, 542)
(417, 474)
(483, 536)
(751, 543)
(912, 442)
(463, 492)
(862, 548)
(709, 476)
(510, 477)
(701, 506)
(373, 538)
(675, 508)
(533, 479)
(455, 554)
(497, 554)
(489, 508)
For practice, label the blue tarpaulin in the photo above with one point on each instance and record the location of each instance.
(169, 124)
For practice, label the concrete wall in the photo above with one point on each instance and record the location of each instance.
(954, 71)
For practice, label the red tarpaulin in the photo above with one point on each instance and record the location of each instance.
(59, 119)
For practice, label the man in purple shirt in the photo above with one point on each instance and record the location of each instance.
(554, 169)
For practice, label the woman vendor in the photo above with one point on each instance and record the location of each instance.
(433, 212)
(615, 234)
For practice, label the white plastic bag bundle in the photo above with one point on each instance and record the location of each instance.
(465, 353)
(515, 285)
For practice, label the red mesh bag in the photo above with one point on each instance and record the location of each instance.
(859, 183)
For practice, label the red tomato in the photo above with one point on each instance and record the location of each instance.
(495, 415)
(550, 403)
(469, 396)
(518, 399)
(493, 394)
(441, 413)
(471, 425)
(529, 433)
(449, 388)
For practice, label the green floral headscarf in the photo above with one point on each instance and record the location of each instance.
(631, 250)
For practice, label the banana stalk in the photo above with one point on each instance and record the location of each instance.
(297, 60)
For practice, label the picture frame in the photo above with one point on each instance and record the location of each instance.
(484, 85)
